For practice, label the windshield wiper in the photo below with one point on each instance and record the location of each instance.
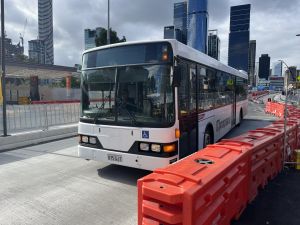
(122, 106)
(100, 109)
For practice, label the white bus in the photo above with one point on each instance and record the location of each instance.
(148, 104)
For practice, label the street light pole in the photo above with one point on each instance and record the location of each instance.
(285, 113)
(108, 23)
(3, 69)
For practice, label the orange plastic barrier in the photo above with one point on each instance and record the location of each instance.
(292, 128)
(213, 186)
(208, 187)
(266, 147)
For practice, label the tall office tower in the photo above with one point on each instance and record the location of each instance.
(45, 17)
(180, 21)
(264, 66)
(197, 24)
(169, 32)
(90, 37)
(277, 69)
(214, 44)
(239, 36)
(251, 62)
(293, 73)
(36, 51)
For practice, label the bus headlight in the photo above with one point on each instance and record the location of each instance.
(155, 148)
(93, 140)
(144, 147)
(85, 139)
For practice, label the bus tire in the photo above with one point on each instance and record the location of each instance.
(208, 136)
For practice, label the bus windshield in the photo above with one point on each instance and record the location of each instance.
(136, 96)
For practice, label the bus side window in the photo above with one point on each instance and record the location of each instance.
(241, 89)
(202, 87)
(183, 90)
(193, 88)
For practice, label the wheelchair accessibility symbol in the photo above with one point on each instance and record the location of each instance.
(145, 134)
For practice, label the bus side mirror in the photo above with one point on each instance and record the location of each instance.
(177, 76)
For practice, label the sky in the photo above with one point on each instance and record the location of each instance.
(274, 24)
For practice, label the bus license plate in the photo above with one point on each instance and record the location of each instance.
(114, 158)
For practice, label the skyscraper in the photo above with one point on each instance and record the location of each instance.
(90, 37)
(264, 66)
(180, 21)
(277, 69)
(239, 37)
(293, 73)
(251, 63)
(197, 25)
(36, 51)
(169, 32)
(45, 17)
(214, 45)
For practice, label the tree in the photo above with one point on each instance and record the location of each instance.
(102, 38)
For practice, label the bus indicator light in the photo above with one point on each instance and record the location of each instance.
(177, 133)
(170, 148)
(165, 56)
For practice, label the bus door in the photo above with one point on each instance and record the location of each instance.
(233, 120)
(187, 108)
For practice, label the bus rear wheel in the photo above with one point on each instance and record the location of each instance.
(208, 137)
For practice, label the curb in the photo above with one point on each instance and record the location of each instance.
(37, 137)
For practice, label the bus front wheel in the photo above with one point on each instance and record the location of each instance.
(208, 136)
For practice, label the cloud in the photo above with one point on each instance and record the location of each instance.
(274, 24)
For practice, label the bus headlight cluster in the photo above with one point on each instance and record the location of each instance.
(150, 147)
(158, 148)
(87, 139)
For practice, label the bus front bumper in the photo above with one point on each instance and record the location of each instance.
(125, 159)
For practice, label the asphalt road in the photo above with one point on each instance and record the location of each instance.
(48, 184)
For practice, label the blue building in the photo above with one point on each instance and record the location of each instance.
(169, 32)
(264, 67)
(197, 25)
(180, 21)
(239, 37)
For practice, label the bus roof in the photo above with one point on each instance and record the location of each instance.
(184, 51)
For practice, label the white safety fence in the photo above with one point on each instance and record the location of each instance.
(42, 116)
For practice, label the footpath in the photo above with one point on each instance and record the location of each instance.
(28, 138)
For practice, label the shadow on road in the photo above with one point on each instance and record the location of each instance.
(125, 175)
(277, 204)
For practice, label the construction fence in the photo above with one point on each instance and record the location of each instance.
(22, 118)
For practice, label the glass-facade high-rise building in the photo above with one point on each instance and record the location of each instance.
(169, 32)
(214, 46)
(45, 18)
(251, 63)
(239, 36)
(180, 21)
(90, 37)
(277, 69)
(198, 24)
(293, 73)
(36, 50)
(264, 67)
